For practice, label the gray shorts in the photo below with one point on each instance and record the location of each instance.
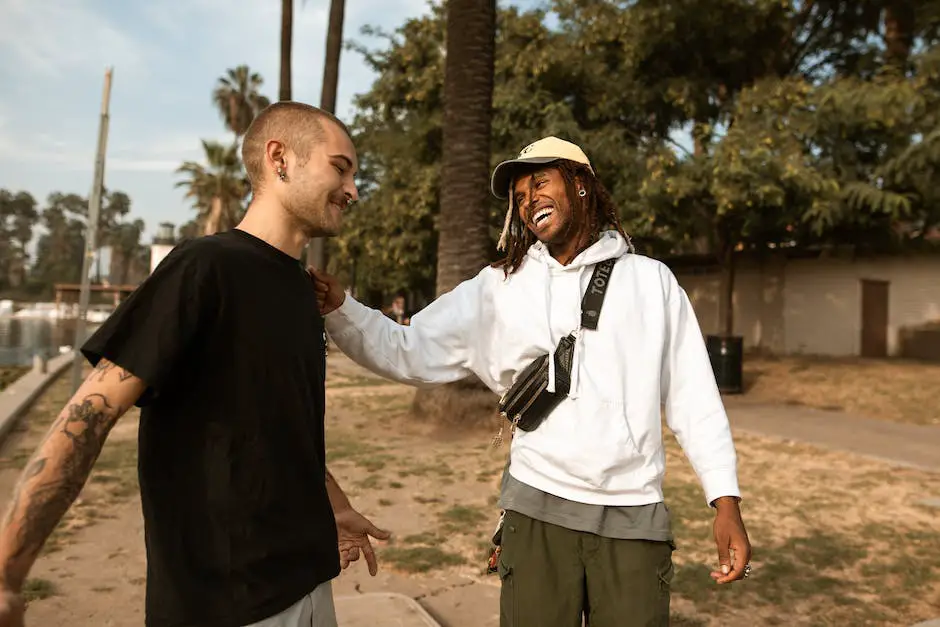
(314, 610)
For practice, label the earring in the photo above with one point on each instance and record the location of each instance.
(281, 174)
(582, 193)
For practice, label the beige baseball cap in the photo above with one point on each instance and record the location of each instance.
(545, 150)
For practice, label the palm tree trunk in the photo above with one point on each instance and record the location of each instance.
(464, 244)
(287, 34)
(899, 21)
(334, 46)
(214, 217)
(316, 254)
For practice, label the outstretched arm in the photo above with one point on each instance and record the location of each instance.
(58, 470)
(437, 347)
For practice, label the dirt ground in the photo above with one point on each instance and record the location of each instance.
(888, 389)
(838, 540)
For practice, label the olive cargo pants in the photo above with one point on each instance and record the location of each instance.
(552, 577)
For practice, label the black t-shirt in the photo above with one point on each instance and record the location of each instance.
(227, 336)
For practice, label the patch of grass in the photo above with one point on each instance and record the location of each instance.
(374, 463)
(102, 589)
(386, 502)
(9, 374)
(371, 482)
(897, 390)
(353, 381)
(421, 470)
(462, 517)
(344, 446)
(420, 559)
(423, 538)
(38, 589)
(425, 500)
(397, 485)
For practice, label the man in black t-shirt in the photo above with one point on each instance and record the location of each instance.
(223, 349)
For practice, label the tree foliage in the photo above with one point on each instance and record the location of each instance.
(717, 125)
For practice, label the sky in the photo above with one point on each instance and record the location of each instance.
(167, 56)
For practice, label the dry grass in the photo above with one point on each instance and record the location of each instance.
(9, 374)
(838, 540)
(902, 391)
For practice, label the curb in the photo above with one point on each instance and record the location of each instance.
(395, 609)
(18, 397)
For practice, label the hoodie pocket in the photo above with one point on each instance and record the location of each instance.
(602, 429)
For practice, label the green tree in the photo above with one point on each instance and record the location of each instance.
(217, 189)
(18, 217)
(60, 249)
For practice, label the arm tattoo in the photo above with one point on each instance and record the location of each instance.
(104, 367)
(86, 425)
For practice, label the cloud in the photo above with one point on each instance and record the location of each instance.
(57, 40)
(167, 56)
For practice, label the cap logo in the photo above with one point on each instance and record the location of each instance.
(527, 149)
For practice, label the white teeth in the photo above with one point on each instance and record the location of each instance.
(541, 215)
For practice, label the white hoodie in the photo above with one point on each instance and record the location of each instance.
(603, 444)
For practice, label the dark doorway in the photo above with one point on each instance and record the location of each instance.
(874, 318)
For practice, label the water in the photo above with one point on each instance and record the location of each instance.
(21, 338)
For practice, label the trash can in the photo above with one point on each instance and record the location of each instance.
(727, 354)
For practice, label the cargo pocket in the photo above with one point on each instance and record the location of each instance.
(507, 598)
(666, 572)
(504, 566)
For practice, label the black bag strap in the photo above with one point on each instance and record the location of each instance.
(594, 296)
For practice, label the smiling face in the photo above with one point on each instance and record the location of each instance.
(322, 185)
(542, 201)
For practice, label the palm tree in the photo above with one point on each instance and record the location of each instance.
(287, 34)
(464, 243)
(218, 189)
(238, 98)
(316, 253)
(334, 45)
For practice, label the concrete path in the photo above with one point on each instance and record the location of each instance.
(913, 446)
(17, 398)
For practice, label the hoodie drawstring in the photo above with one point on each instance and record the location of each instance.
(578, 341)
(548, 320)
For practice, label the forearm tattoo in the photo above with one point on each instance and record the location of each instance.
(86, 425)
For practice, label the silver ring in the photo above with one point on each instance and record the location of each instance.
(747, 570)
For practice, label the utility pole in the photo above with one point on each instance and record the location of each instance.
(91, 230)
(316, 253)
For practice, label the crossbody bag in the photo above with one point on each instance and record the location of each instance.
(528, 402)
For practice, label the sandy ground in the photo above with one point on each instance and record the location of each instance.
(839, 540)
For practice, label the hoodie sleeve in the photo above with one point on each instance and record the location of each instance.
(435, 348)
(694, 410)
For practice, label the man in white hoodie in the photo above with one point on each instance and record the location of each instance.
(586, 533)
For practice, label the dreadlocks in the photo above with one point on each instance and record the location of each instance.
(598, 207)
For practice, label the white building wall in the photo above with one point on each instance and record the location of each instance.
(813, 306)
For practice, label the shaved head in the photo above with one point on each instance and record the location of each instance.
(296, 125)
